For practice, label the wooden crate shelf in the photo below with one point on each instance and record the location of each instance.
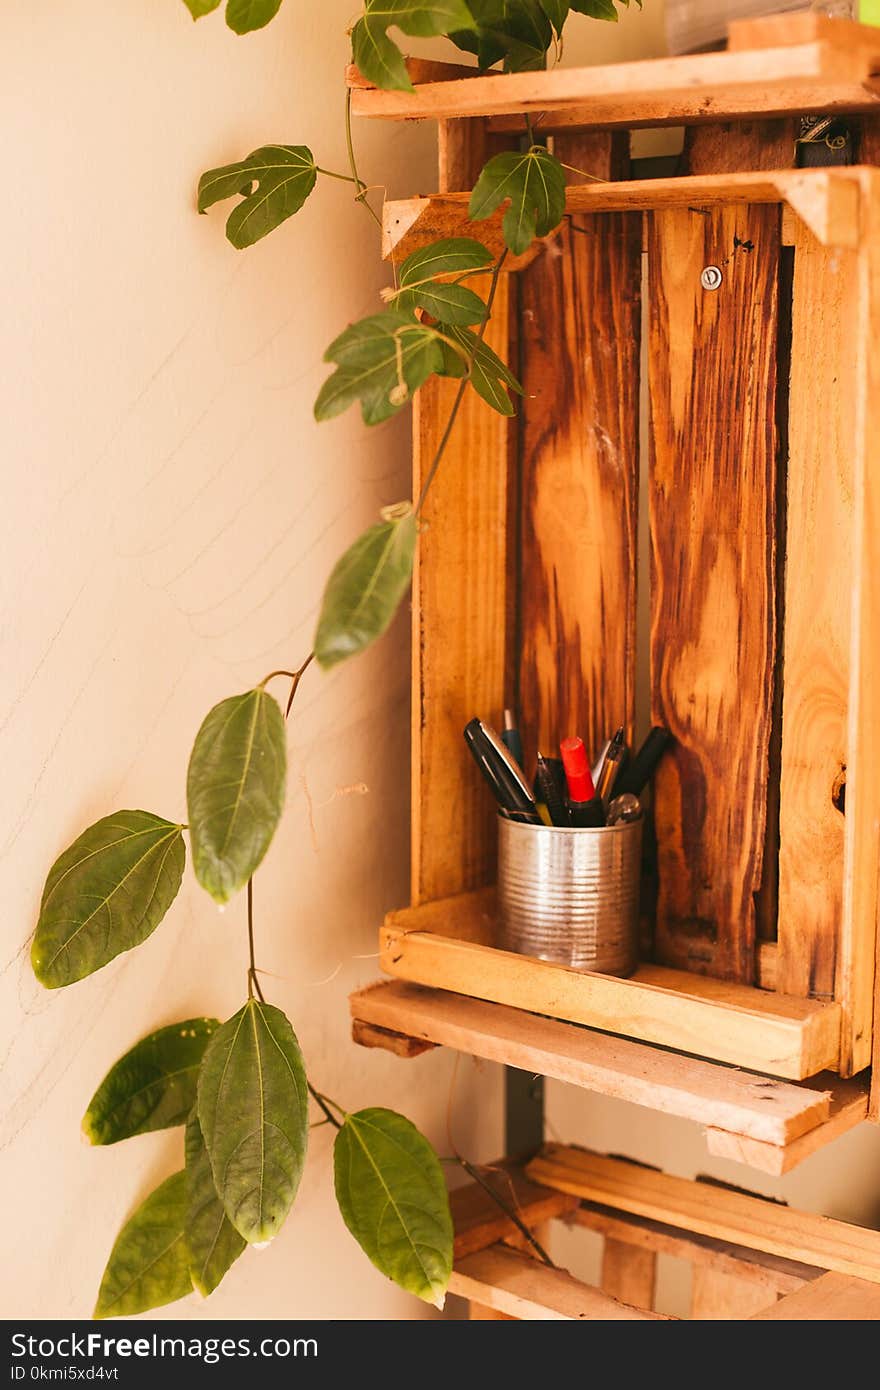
(809, 63)
(751, 1258)
(757, 1120)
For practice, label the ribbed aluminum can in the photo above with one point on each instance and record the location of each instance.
(571, 896)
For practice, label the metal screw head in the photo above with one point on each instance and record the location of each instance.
(711, 277)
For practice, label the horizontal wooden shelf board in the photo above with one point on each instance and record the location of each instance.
(480, 1221)
(849, 1107)
(520, 1286)
(711, 1210)
(826, 199)
(748, 1105)
(445, 945)
(827, 72)
(833, 1298)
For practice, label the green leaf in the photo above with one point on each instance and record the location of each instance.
(284, 176)
(245, 15)
(106, 894)
(253, 1112)
(381, 361)
(390, 1190)
(149, 1264)
(366, 587)
(235, 790)
(153, 1086)
(557, 13)
(213, 1243)
(378, 58)
(452, 256)
(197, 8)
(452, 303)
(534, 184)
(516, 30)
(600, 9)
(490, 377)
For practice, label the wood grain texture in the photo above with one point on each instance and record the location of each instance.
(849, 1107)
(712, 364)
(732, 147)
(818, 584)
(400, 1044)
(460, 647)
(713, 1211)
(720, 1297)
(515, 1284)
(579, 344)
(737, 1103)
(629, 1273)
(833, 1298)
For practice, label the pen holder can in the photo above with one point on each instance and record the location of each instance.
(571, 895)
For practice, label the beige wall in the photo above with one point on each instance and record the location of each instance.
(170, 514)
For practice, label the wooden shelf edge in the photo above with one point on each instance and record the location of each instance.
(849, 1107)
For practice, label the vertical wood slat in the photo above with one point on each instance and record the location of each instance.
(712, 367)
(579, 363)
(818, 584)
(718, 1297)
(629, 1273)
(460, 596)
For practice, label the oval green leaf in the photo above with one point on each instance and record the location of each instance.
(490, 377)
(253, 1112)
(393, 1199)
(284, 176)
(381, 361)
(365, 589)
(451, 303)
(378, 58)
(149, 1264)
(197, 8)
(153, 1086)
(212, 1241)
(235, 790)
(450, 256)
(533, 182)
(105, 894)
(243, 16)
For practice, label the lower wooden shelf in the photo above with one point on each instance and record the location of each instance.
(449, 945)
(750, 1257)
(754, 1119)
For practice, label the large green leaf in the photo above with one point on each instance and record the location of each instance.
(600, 9)
(423, 280)
(390, 1190)
(284, 176)
(213, 1243)
(197, 8)
(149, 1264)
(378, 57)
(518, 31)
(153, 1086)
(365, 587)
(105, 894)
(451, 256)
(235, 790)
(534, 184)
(245, 15)
(557, 12)
(380, 361)
(253, 1112)
(490, 377)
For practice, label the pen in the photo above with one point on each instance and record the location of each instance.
(547, 792)
(585, 808)
(511, 736)
(611, 767)
(638, 773)
(508, 785)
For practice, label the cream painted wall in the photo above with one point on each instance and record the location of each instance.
(170, 514)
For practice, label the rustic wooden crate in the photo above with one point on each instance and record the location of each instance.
(763, 444)
(750, 1257)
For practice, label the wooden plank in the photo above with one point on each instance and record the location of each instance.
(719, 1297)
(714, 1211)
(419, 69)
(459, 627)
(849, 1107)
(629, 1273)
(814, 76)
(779, 30)
(476, 1313)
(579, 363)
(479, 1221)
(712, 379)
(371, 1035)
(833, 1298)
(774, 1112)
(730, 147)
(817, 619)
(860, 933)
(410, 224)
(771, 1033)
(515, 1284)
(772, 1273)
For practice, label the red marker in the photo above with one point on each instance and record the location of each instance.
(585, 808)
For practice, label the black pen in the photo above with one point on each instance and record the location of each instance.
(511, 736)
(547, 791)
(610, 769)
(497, 765)
(639, 771)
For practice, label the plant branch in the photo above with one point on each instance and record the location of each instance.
(324, 1105)
(361, 195)
(253, 982)
(463, 385)
(296, 677)
(474, 1172)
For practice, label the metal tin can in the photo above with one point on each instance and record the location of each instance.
(571, 896)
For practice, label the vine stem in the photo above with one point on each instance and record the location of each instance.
(361, 196)
(253, 982)
(462, 387)
(474, 1172)
(325, 1105)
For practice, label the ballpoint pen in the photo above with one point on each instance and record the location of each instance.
(611, 766)
(511, 736)
(547, 792)
(497, 765)
(639, 771)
